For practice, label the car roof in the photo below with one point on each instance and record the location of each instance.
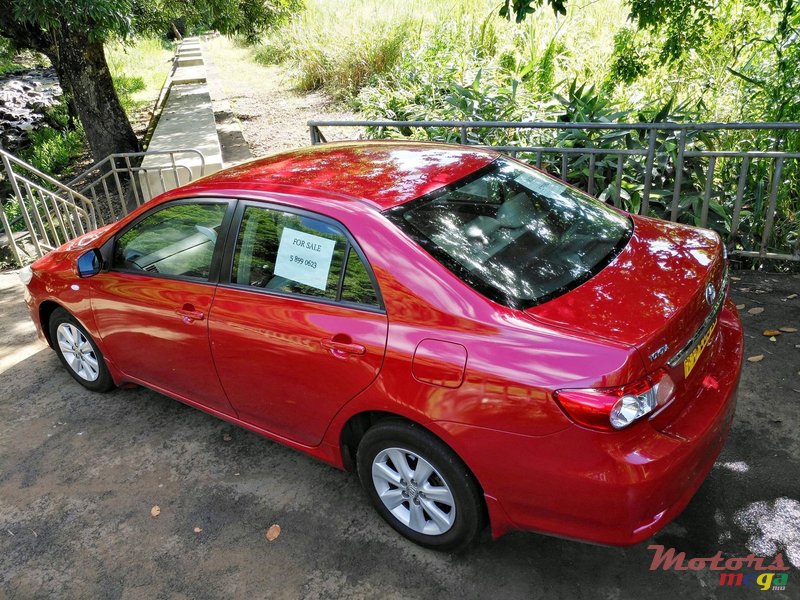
(383, 173)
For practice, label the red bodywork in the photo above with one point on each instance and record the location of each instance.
(479, 375)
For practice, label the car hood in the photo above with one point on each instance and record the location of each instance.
(651, 296)
(86, 240)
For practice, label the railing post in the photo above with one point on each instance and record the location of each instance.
(712, 164)
(12, 243)
(773, 201)
(737, 205)
(314, 131)
(648, 173)
(463, 130)
(676, 193)
(618, 181)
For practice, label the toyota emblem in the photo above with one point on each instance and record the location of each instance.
(711, 294)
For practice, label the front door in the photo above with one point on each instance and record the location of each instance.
(299, 330)
(152, 305)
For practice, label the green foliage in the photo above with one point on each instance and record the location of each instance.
(685, 23)
(54, 151)
(138, 68)
(101, 18)
(248, 18)
(109, 19)
(629, 61)
(520, 9)
(14, 212)
(7, 63)
(339, 50)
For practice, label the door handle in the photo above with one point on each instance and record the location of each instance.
(341, 349)
(189, 314)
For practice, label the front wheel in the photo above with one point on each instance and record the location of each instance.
(420, 487)
(78, 352)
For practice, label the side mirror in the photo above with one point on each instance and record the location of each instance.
(89, 263)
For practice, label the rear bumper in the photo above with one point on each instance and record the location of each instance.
(611, 488)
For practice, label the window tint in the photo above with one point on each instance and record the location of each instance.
(514, 234)
(177, 240)
(291, 253)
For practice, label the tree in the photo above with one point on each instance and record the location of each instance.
(520, 9)
(759, 39)
(71, 34)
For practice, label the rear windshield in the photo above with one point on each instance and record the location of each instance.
(514, 234)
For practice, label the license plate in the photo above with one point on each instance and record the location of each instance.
(694, 356)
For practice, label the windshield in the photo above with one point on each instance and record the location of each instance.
(514, 234)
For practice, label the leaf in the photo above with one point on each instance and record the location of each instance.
(198, 530)
(756, 311)
(788, 329)
(273, 532)
(739, 306)
(773, 339)
(791, 297)
(756, 358)
(771, 332)
(155, 511)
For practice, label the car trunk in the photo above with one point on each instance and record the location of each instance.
(653, 296)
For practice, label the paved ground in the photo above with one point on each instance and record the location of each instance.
(272, 115)
(80, 472)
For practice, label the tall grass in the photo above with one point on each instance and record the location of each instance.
(139, 69)
(343, 46)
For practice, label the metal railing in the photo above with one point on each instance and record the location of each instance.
(615, 159)
(53, 212)
(121, 182)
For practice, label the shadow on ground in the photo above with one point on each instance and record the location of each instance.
(81, 472)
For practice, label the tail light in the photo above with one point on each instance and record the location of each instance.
(610, 409)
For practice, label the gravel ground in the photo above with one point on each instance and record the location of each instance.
(272, 115)
(81, 472)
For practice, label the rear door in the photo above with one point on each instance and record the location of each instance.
(298, 328)
(152, 305)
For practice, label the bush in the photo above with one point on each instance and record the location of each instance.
(53, 151)
(339, 55)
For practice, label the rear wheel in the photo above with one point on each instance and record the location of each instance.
(419, 486)
(78, 352)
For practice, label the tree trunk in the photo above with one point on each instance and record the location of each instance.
(83, 72)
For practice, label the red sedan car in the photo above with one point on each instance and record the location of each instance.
(481, 342)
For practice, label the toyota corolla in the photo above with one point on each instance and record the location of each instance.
(483, 344)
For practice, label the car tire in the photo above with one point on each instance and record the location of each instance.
(420, 486)
(78, 352)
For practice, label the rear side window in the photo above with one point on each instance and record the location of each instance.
(296, 254)
(177, 240)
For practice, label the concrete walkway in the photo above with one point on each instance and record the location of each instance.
(80, 473)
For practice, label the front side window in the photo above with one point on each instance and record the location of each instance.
(516, 235)
(296, 254)
(177, 240)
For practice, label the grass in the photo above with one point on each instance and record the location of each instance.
(343, 46)
(139, 69)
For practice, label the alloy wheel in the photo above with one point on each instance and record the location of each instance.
(413, 491)
(77, 352)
